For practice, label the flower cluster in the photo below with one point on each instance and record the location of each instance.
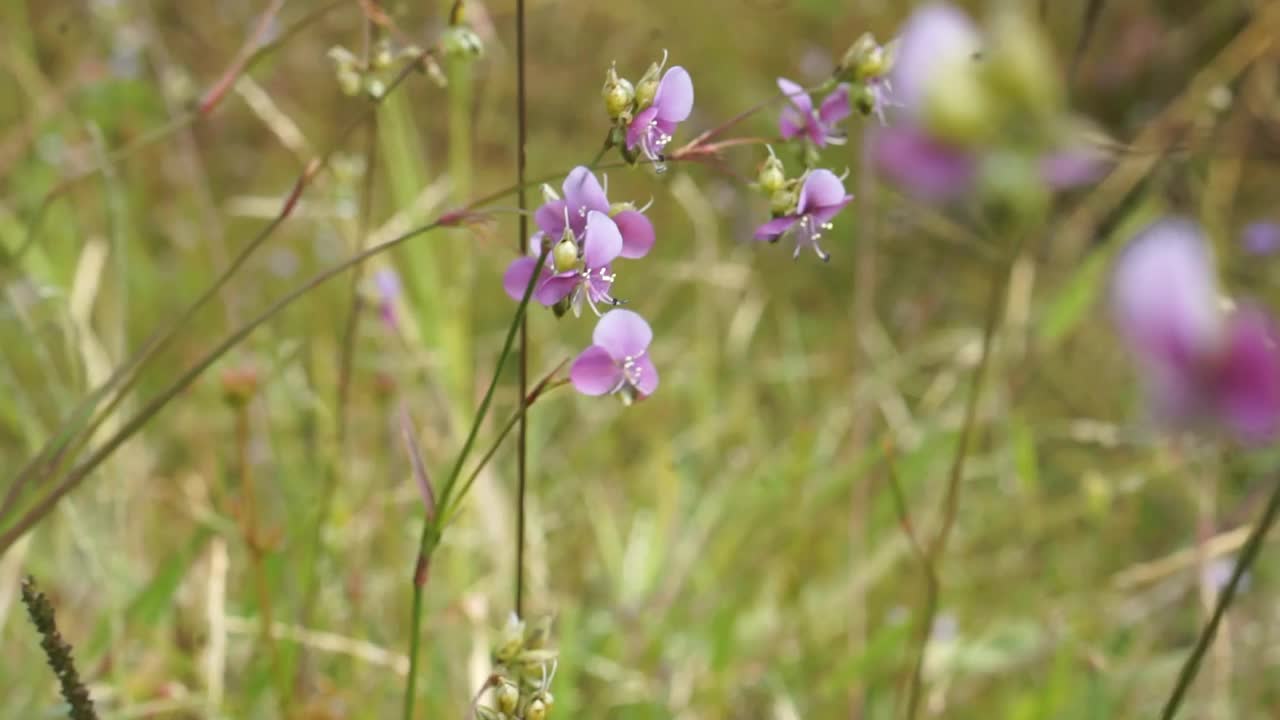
(979, 110)
(523, 668)
(645, 115)
(802, 206)
(1207, 363)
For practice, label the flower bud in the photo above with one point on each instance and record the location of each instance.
(460, 41)
(783, 201)
(349, 81)
(1019, 65)
(864, 60)
(620, 207)
(565, 255)
(618, 94)
(239, 385)
(862, 99)
(510, 641)
(957, 106)
(507, 696)
(375, 87)
(773, 176)
(647, 88)
(537, 710)
(383, 55)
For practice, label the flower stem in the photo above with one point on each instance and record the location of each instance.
(1252, 547)
(431, 527)
(522, 441)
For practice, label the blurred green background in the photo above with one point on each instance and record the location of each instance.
(728, 548)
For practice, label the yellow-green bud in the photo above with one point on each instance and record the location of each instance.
(773, 176)
(537, 710)
(957, 106)
(1019, 64)
(618, 94)
(375, 87)
(647, 87)
(782, 201)
(565, 255)
(507, 696)
(511, 641)
(618, 207)
(864, 60)
(349, 81)
(862, 99)
(383, 56)
(461, 41)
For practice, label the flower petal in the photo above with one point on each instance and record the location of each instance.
(823, 215)
(556, 288)
(550, 219)
(583, 191)
(835, 108)
(637, 233)
(623, 334)
(594, 372)
(516, 278)
(935, 36)
(674, 98)
(1249, 377)
(796, 96)
(922, 165)
(602, 242)
(639, 126)
(646, 375)
(790, 123)
(776, 227)
(1071, 168)
(820, 189)
(1165, 297)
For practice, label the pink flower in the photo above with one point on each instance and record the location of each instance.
(618, 360)
(590, 278)
(653, 127)
(582, 194)
(1202, 364)
(820, 126)
(821, 197)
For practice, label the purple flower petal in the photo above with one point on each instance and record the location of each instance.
(820, 189)
(796, 95)
(821, 216)
(639, 126)
(791, 123)
(1261, 238)
(921, 164)
(388, 284)
(556, 288)
(582, 191)
(623, 334)
(550, 219)
(594, 372)
(835, 108)
(602, 242)
(637, 233)
(674, 98)
(645, 375)
(776, 227)
(1165, 297)
(934, 36)
(516, 278)
(1249, 377)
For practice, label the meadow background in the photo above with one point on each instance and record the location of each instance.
(730, 547)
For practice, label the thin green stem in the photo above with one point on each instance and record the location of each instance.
(431, 528)
(522, 441)
(1252, 547)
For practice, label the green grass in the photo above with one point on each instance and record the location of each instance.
(728, 548)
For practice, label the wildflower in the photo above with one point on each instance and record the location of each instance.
(654, 126)
(820, 198)
(959, 103)
(1203, 364)
(582, 194)
(818, 126)
(618, 360)
(388, 285)
(589, 278)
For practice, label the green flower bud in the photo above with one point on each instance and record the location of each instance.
(537, 710)
(375, 87)
(349, 81)
(618, 94)
(511, 641)
(383, 55)
(957, 106)
(342, 57)
(507, 696)
(461, 41)
(1019, 65)
(647, 88)
(773, 176)
(862, 99)
(618, 207)
(565, 255)
(865, 60)
(783, 201)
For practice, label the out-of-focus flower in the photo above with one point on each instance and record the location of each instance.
(1205, 364)
(821, 198)
(962, 99)
(388, 285)
(618, 360)
(1261, 238)
(820, 125)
